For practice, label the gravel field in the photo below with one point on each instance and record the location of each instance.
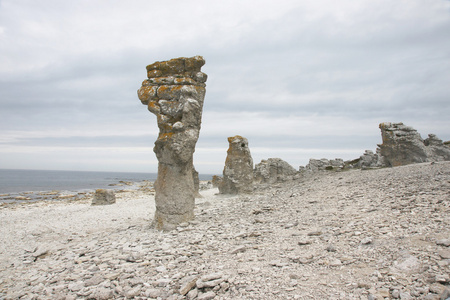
(361, 234)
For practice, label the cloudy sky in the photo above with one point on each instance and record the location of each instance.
(300, 79)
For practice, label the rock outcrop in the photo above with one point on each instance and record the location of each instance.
(103, 197)
(273, 170)
(403, 145)
(174, 92)
(238, 170)
(315, 165)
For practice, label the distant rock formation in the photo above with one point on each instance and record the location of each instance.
(174, 92)
(403, 145)
(273, 170)
(368, 160)
(315, 165)
(103, 197)
(238, 170)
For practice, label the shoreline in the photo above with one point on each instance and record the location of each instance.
(69, 194)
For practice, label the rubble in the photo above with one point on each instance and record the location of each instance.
(332, 235)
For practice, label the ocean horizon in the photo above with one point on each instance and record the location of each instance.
(20, 180)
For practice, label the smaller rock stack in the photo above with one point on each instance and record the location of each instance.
(238, 170)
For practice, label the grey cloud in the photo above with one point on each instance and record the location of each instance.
(318, 65)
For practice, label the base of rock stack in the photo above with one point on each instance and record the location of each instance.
(167, 222)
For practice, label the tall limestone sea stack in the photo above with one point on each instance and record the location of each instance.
(174, 92)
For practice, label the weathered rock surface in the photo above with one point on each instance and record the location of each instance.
(403, 145)
(372, 234)
(370, 160)
(238, 170)
(216, 181)
(196, 183)
(104, 197)
(315, 165)
(273, 170)
(437, 150)
(174, 92)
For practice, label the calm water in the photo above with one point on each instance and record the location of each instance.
(16, 181)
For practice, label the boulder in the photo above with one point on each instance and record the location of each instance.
(273, 170)
(238, 170)
(103, 197)
(174, 92)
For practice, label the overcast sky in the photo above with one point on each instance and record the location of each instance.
(300, 79)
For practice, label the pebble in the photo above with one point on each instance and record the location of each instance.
(207, 296)
(443, 242)
(189, 284)
(366, 241)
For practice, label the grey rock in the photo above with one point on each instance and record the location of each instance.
(178, 106)
(40, 251)
(323, 164)
(403, 145)
(152, 293)
(238, 170)
(206, 296)
(76, 286)
(405, 296)
(163, 282)
(133, 292)
(407, 264)
(443, 242)
(445, 295)
(370, 160)
(331, 248)
(210, 280)
(444, 254)
(103, 197)
(366, 241)
(238, 249)
(395, 294)
(273, 170)
(188, 284)
(192, 294)
(212, 276)
(102, 293)
(94, 280)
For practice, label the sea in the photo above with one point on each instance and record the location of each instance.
(19, 182)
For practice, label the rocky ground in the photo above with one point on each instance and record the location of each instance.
(373, 234)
